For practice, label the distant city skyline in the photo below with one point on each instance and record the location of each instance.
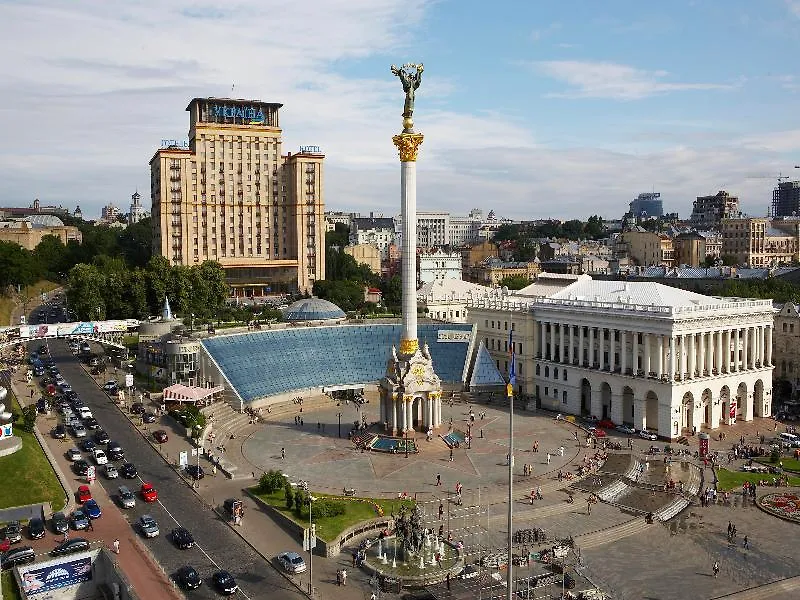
(537, 110)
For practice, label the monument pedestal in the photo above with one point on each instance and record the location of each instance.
(410, 393)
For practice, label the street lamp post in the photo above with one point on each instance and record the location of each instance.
(340, 423)
(311, 541)
(405, 433)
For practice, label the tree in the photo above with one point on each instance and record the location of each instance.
(29, 414)
(347, 295)
(338, 238)
(85, 291)
(158, 276)
(50, 255)
(17, 265)
(515, 282)
(594, 227)
(136, 243)
(506, 232)
(392, 290)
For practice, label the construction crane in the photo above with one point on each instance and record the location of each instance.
(780, 177)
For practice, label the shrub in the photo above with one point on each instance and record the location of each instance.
(29, 415)
(327, 508)
(271, 481)
(289, 495)
(775, 455)
(299, 501)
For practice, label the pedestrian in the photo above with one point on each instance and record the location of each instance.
(448, 580)
(730, 528)
(338, 577)
(746, 543)
(283, 453)
(344, 576)
(355, 557)
(91, 527)
(548, 458)
(373, 596)
(116, 546)
(451, 455)
(561, 450)
(441, 511)
(439, 478)
(214, 469)
(715, 568)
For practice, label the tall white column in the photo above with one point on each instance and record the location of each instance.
(692, 356)
(660, 361)
(591, 347)
(726, 351)
(736, 366)
(571, 347)
(543, 337)
(612, 347)
(635, 352)
(769, 345)
(672, 362)
(701, 352)
(552, 354)
(753, 347)
(394, 416)
(746, 349)
(561, 342)
(623, 358)
(580, 346)
(709, 352)
(408, 206)
(648, 367)
(718, 335)
(683, 356)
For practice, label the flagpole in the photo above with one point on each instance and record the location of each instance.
(510, 394)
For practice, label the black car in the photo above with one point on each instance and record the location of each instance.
(137, 408)
(59, 522)
(149, 417)
(59, 432)
(36, 528)
(224, 583)
(88, 445)
(91, 423)
(42, 406)
(188, 578)
(195, 472)
(18, 556)
(81, 467)
(101, 437)
(70, 547)
(128, 471)
(115, 451)
(182, 538)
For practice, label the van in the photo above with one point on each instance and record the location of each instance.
(789, 438)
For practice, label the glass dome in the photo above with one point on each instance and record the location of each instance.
(313, 309)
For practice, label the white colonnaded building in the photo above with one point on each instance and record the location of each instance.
(641, 353)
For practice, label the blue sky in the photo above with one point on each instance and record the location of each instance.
(534, 109)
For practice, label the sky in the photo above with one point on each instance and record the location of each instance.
(534, 109)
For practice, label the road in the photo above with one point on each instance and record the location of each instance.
(217, 547)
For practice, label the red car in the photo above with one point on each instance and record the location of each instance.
(599, 433)
(84, 494)
(160, 436)
(5, 544)
(606, 424)
(148, 492)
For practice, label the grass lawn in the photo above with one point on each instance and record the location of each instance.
(731, 480)
(792, 464)
(28, 475)
(31, 291)
(10, 589)
(328, 528)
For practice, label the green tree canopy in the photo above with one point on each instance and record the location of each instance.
(515, 282)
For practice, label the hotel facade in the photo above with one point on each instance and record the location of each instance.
(640, 353)
(230, 195)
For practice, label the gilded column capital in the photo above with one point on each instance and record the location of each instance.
(408, 145)
(409, 347)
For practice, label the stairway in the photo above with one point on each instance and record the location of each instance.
(225, 419)
(783, 588)
(611, 534)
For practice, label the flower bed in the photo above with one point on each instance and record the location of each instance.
(784, 504)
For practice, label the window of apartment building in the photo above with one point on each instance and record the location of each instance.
(546, 391)
(547, 371)
(538, 369)
(565, 375)
(563, 397)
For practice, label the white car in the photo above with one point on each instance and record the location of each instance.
(292, 562)
(648, 435)
(626, 429)
(100, 457)
(111, 470)
(84, 412)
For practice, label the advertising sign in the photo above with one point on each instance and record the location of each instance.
(37, 331)
(55, 576)
(129, 380)
(449, 335)
(703, 444)
(184, 458)
(91, 473)
(733, 409)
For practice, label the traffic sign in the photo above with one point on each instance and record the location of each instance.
(91, 473)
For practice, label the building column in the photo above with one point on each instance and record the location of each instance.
(701, 353)
(709, 351)
(623, 355)
(754, 348)
(394, 415)
(612, 346)
(616, 408)
(736, 367)
(581, 361)
(552, 354)
(692, 358)
(672, 361)
(542, 340)
(596, 403)
(684, 357)
(591, 347)
(746, 354)
(726, 350)
(561, 347)
(635, 353)
(769, 345)
(660, 361)
(570, 357)
(759, 345)
(648, 367)
(718, 335)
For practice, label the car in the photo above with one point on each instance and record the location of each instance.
(64, 387)
(59, 432)
(94, 361)
(81, 467)
(148, 417)
(13, 531)
(59, 522)
(128, 471)
(85, 348)
(36, 528)
(70, 547)
(92, 509)
(182, 538)
(78, 430)
(87, 445)
(91, 423)
(38, 370)
(83, 494)
(101, 437)
(111, 471)
(18, 556)
(224, 583)
(79, 520)
(100, 457)
(195, 472)
(187, 577)
(292, 562)
(160, 436)
(148, 526)
(626, 429)
(109, 385)
(84, 412)
(137, 408)
(73, 454)
(148, 492)
(115, 451)
(648, 435)
(599, 433)
(126, 497)
(73, 345)
(42, 406)
(606, 424)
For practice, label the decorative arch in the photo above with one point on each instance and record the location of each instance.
(706, 407)
(627, 404)
(687, 411)
(605, 400)
(725, 399)
(741, 401)
(586, 397)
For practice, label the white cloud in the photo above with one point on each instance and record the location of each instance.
(794, 7)
(611, 80)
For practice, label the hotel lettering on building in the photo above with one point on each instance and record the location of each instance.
(231, 196)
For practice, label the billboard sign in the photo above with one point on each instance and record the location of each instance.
(37, 331)
(182, 144)
(55, 576)
(448, 335)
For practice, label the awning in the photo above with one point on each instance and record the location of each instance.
(188, 393)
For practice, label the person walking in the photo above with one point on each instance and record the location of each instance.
(715, 568)
(344, 576)
(116, 546)
(746, 544)
(439, 478)
(451, 455)
(548, 458)
(441, 511)
(283, 453)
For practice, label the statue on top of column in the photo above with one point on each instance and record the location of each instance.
(410, 75)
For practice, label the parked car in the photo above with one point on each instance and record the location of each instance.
(91, 423)
(182, 538)
(81, 467)
(195, 472)
(148, 492)
(600, 433)
(128, 471)
(94, 361)
(5, 544)
(224, 583)
(111, 471)
(73, 454)
(292, 562)
(59, 432)
(79, 519)
(59, 522)
(101, 437)
(126, 497)
(70, 547)
(13, 531)
(148, 526)
(108, 386)
(115, 451)
(626, 429)
(88, 445)
(100, 457)
(137, 408)
(92, 509)
(79, 431)
(42, 405)
(18, 556)
(83, 494)
(160, 436)
(648, 435)
(148, 417)
(36, 528)
(188, 578)
(607, 424)
(84, 412)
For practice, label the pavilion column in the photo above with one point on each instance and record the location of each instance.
(769, 345)
(552, 354)
(736, 366)
(580, 346)
(591, 347)
(571, 349)
(612, 346)
(672, 361)
(684, 357)
(701, 353)
(746, 354)
(635, 353)
(754, 348)
(648, 368)
(543, 338)
(726, 350)
(660, 361)
(623, 358)
(692, 358)
(709, 351)
(759, 345)
(718, 335)
(394, 416)
(561, 342)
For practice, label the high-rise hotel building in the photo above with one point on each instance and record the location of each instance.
(231, 196)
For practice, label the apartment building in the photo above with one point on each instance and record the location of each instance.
(760, 242)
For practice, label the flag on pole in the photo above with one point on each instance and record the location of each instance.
(512, 371)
